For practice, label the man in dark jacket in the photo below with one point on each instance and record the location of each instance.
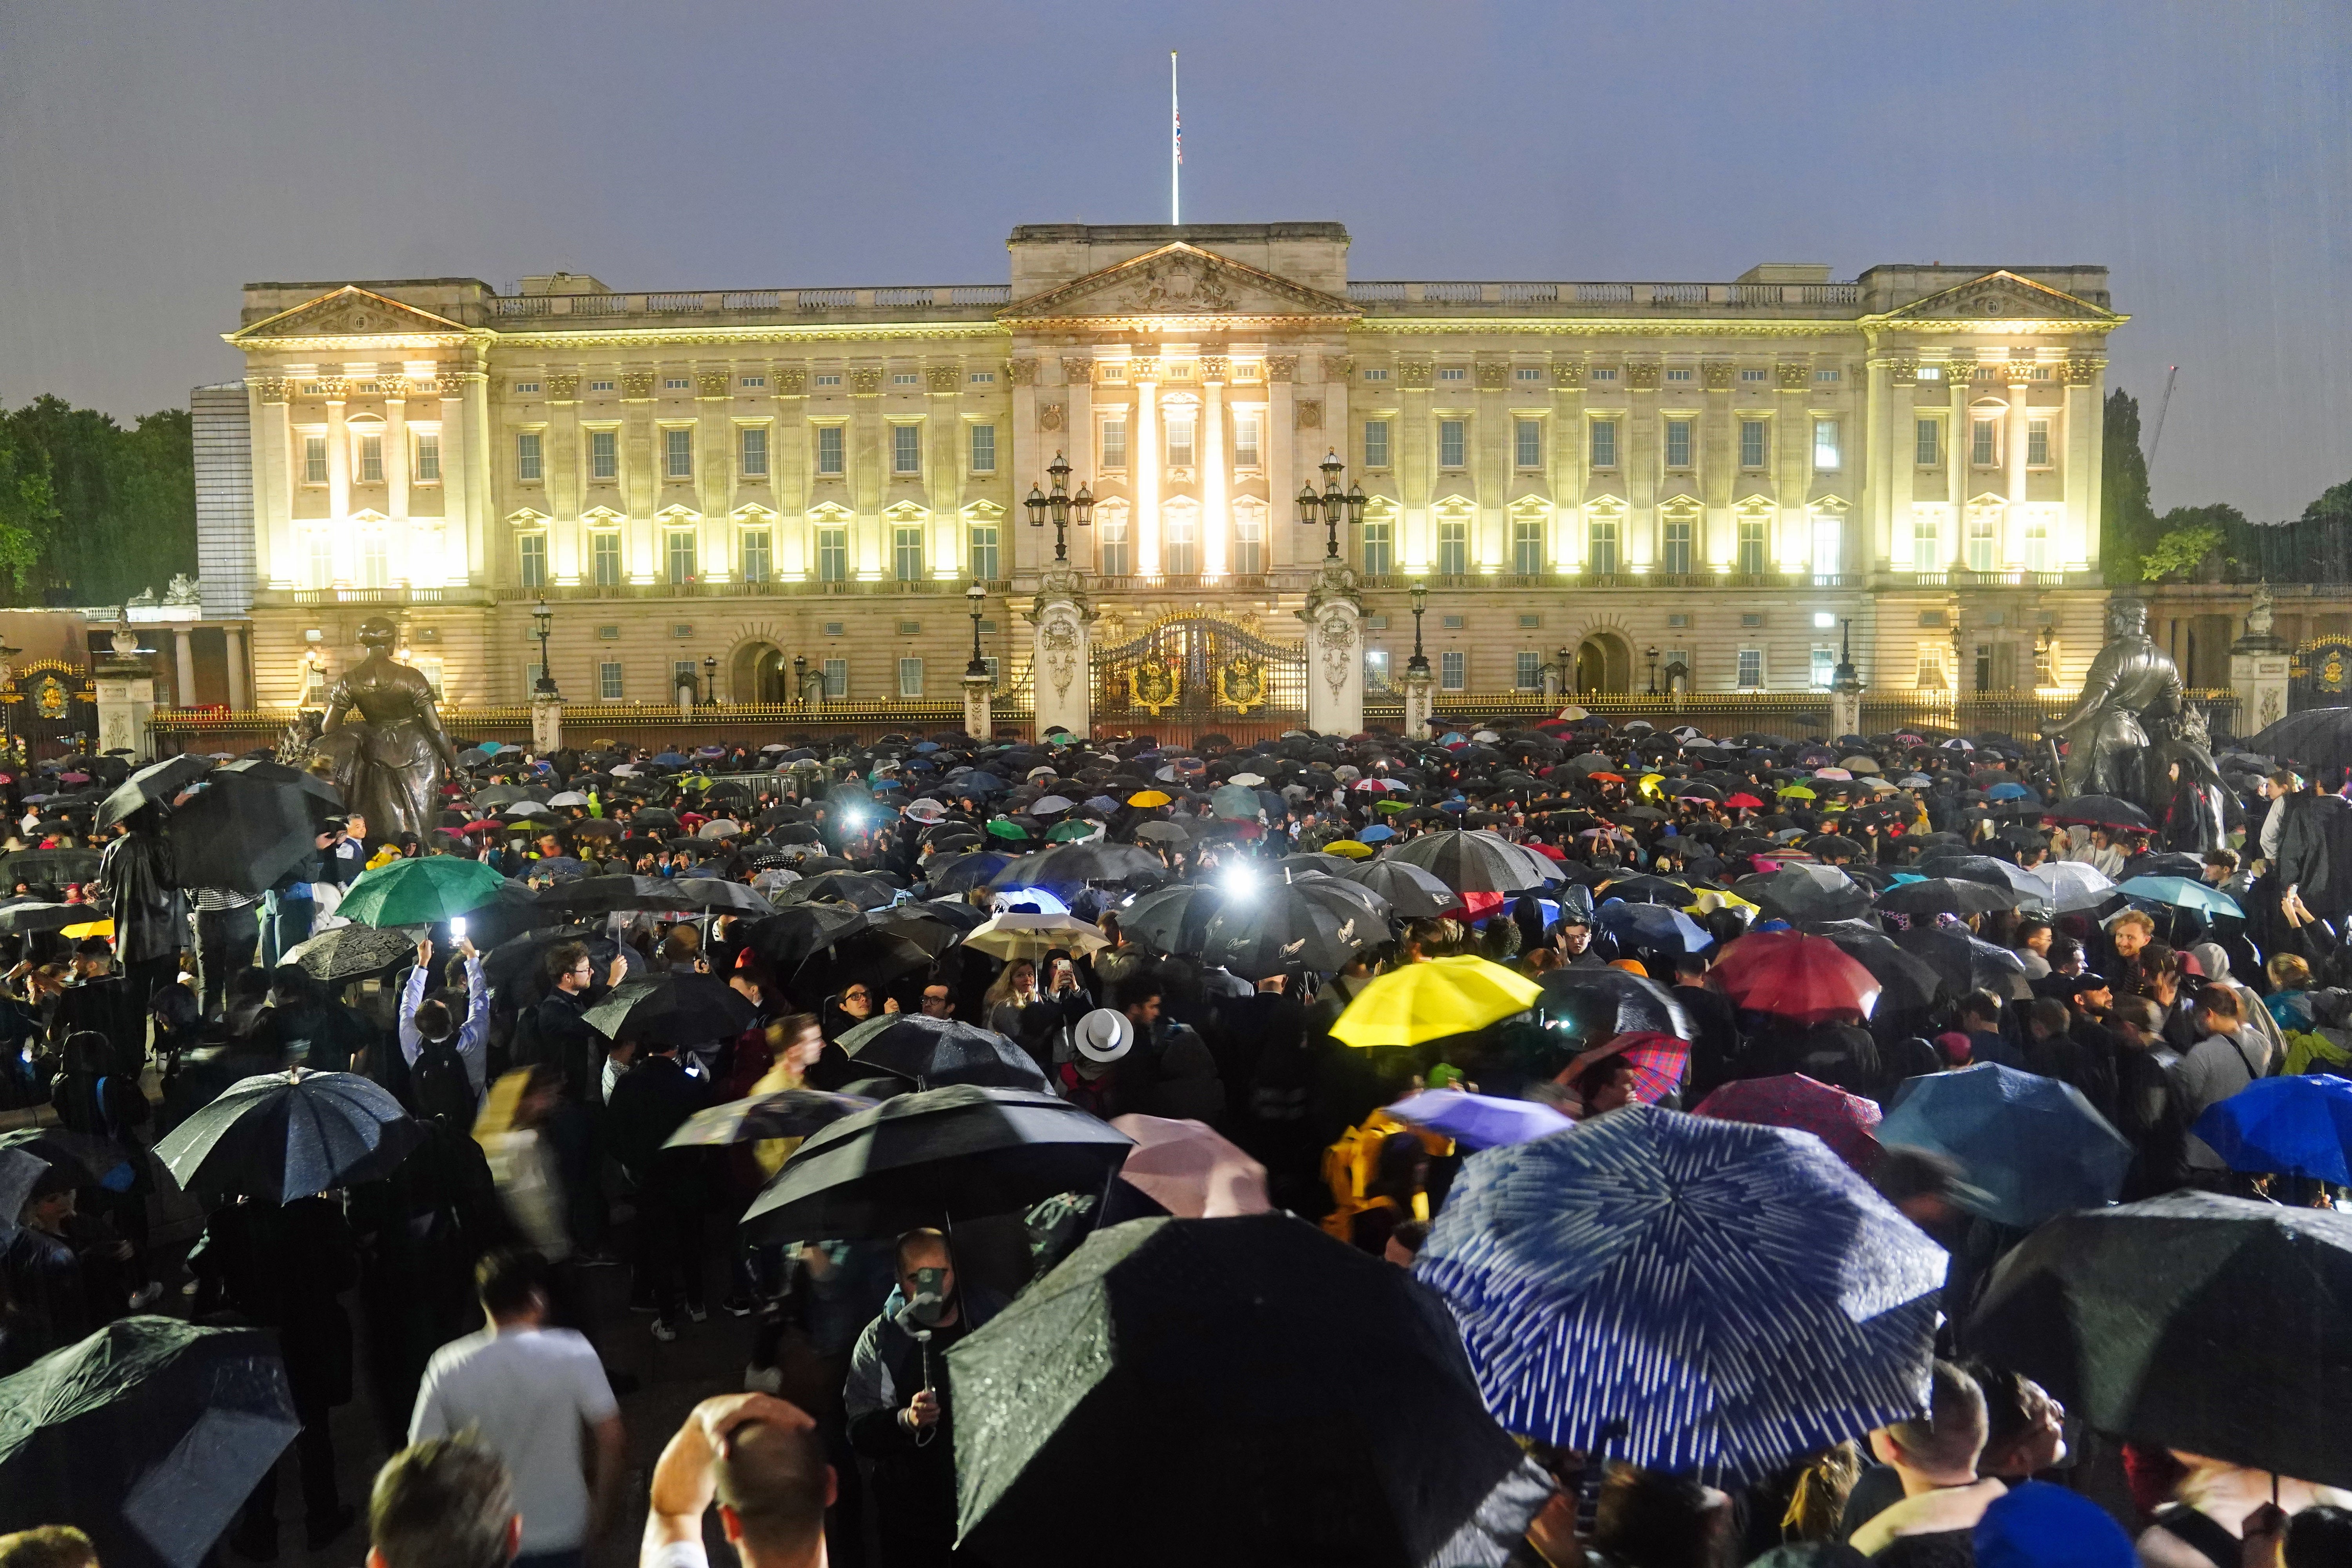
(898, 1405)
(650, 1102)
(1715, 1029)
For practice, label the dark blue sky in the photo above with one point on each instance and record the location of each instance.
(156, 155)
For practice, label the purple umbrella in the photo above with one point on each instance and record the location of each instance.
(1480, 1120)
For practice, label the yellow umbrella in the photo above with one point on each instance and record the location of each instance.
(1350, 848)
(1649, 784)
(1429, 1001)
(1795, 792)
(1717, 898)
(88, 927)
(1150, 797)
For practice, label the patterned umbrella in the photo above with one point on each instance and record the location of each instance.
(1685, 1293)
(1840, 1119)
(1658, 1062)
(342, 953)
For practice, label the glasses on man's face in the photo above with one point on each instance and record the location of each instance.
(938, 1001)
(583, 969)
(857, 997)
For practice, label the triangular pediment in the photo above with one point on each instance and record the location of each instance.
(2001, 297)
(348, 311)
(1181, 280)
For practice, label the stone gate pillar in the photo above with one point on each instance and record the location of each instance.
(126, 697)
(1061, 675)
(1334, 660)
(979, 722)
(546, 722)
(1418, 700)
(2259, 669)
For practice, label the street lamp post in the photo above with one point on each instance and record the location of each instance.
(710, 680)
(976, 596)
(1419, 663)
(1064, 508)
(1332, 507)
(799, 677)
(1652, 655)
(542, 620)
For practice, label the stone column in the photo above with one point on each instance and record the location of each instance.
(183, 657)
(1277, 442)
(1334, 614)
(546, 722)
(339, 473)
(2012, 516)
(1902, 468)
(1217, 475)
(2078, 544)
(240, 690)
(477, 535)
(1568, 449)
(1962, 374)
(1145, 464)
(978, 721)
(456, 470)
(1878, 416)
(126, 695)
(2259, 670)
(395, 464)
(1061, 676)
(278, 561)
(1418, 686)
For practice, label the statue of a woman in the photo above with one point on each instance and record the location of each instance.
(390, 760)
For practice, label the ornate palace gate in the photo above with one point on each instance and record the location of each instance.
(2321, 675)
(1191, 674)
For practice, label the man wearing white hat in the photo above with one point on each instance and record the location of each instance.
(1093, 1079)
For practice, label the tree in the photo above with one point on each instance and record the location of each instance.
(2187, 534)
(123, 504)
(28, 508)
(2127, 525)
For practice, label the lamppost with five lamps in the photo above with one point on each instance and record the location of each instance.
(1063, 508)
(1332, 507)
(542, 620)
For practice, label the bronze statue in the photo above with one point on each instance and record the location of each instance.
(2131, 735)
(389, 763)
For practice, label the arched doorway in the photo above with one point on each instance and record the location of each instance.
(1604, 663)
(761, 673)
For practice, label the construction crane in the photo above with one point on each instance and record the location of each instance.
(2156, 440)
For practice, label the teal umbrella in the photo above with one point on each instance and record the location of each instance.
(419, 892)
(2181, 894)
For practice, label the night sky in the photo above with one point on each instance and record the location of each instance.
(154, 156)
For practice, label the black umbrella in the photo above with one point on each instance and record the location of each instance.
(1904, 981)
(605, 895)
(242, 831)
(2004, 874)
(1172, 919)
(1269, 928)
(83, 1158)
(785, 1113)
(2216, 1325)
(1596, 1003)
(1477, 861)
(2100, 811)
(679, 1005)
(785, 939)
(346, 953)
(2316, 738)
(156, 782)
(873, 955)
(1803, 893)
(1413, 893)
(282, 1136)
(933, 925)
(1966, 962)
(1946, 896)
(147, 1436)
(1073, 866)
(865, 889)
(325, 800)
(35, 915)
(937, 1156)
(1309, 1459)
(936, 1052)
(55, 867)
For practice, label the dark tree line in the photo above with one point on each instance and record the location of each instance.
(2216, 541)
(92, 511)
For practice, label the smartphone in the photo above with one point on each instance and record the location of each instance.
(456, 927)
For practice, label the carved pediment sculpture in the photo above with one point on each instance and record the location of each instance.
(2003, 296)
(1180, 279)
(350, 311)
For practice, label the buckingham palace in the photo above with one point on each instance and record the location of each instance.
(782, 497)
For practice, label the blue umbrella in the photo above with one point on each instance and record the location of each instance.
(1685, 1293)
(2007, 792)
(2181, 894)
(2294, 1126)
(1652, 925)
(671, 760)
(2030, 1147)
(977, 783)
(1480, 1120)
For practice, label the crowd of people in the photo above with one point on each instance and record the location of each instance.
(1174, 932)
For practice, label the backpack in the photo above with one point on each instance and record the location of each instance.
(1350, 1164)
(439, 1082)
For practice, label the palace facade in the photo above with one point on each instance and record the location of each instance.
(1604, 487)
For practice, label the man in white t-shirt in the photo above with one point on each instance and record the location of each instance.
(530, 1394)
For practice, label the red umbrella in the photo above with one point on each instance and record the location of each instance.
(1807, 978)
(1743, 799)
(1840, 1119)
(1659, 1062)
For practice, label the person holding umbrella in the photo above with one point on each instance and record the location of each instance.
(897, 1399)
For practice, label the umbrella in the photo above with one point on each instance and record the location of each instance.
(424, 891)
(2293, 1126)
(2029, 1147)
(1805, 892)
(936, 1052)
(932, 1156)
(1308, 1458)
(1477, 861)
(1992, 873)
(1430, 1001)
(1172, 919)
(2316, 738)
(1904, 983)
(1941, 895)
(346, 953)
(1842, 1120)
(36, 915)
(162, 781)
(282, 1136)
(55, 867)
(1595, 1004)
(788, 937)
(1652, 925)
(2073, 885)
(1658, 1060)
(2180, 893)
(1965, 962)
(1189, 1170)
(20, 1173)
(1682, 1292)
(242, 831)
(678, 1006)
(611, 894)
(865, 889)
(1273, 927)
(961, 873)
(1480, 1120)
(1012, 936)
(147, 1435)
(2213, 1325)
(1073, 866)
(2100, 811)
(784, 1113)
(1413, 893)
(85, 1158)
(1791, 975)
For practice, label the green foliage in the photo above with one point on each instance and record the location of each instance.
(2181, 549)
(2334, 505)
(119, 507)
(2127, 524)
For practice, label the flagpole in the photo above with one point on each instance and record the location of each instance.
(1175, 145)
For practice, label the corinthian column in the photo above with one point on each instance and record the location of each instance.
(1144, 462)
(1214, 475)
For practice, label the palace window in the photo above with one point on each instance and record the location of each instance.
(1678, 373)
(375, 565)
(982, 546)
(1678, 443)
(1114, 442)
(1376, 443)
(1601, 547)
(425, 455)
(604, 557)
(1604, 373)
(608, 680)
(826, 378)
(1179, 438)
(1374, 372)
(906, 378)
(1249, 540)
(1752, 376)
(681, 555)
(758, 556)
(832, 554)
(603, 454)
(1926, 542)
(1453, 671)
(754, 381)
(1753, 437)
(1678, 558)
(1453, 546)
(983, 448)
(1527, 372)
(1111, 557)
(1927, 442)
(1527, 443)
(837, 679)
(1379, 547)
(1245, 454)
(1825, 663)
(678, 454)
(676, 383)
(1984, 448)
(755, 451)
(910, 677)
(1829, 544)
(2037, 443)
(322, 559)
(1451, 444)
(1604, 443)
(372, 459)
(1376, 669)
(1526, 671)
(1180, 543)
(1983, 541)
(1751, 667)
(905, 449)
(1930, 372)
(1453, 373)
(828, 449)
(2037, 543)
(1825, 445)
(907, 551)
(982, 378)
(532, 550)
(527, 455)
(1751, 546)
(1527, 545)
(600, 386)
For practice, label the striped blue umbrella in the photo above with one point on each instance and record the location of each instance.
(1685, 1293)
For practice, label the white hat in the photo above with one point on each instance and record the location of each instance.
(1103, 1036)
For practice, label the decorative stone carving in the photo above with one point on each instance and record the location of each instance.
(1140, 370)
(711, 383)
(1493, 375)
(270, 388)
(1339, 367)
(2262, 614)
(1022, 372)
(1414, 373)
(865, 381)
(1642, 374)
(2019, 372)
(1216, 367)
(791, 380)
(1794, 375)
(1078, 372)
(562, 387)
(1719, 374)
(333, 388)
(2083, 370)
(2109, 752)
(1959, 372)
(636, 385)
(1902, 372)
(1310, 414)
(1178, 286)
(1568, 374)
(1281, 367)
(944, 378)
(1049, 417)
(182, 590)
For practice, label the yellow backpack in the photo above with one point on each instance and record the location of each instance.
(1350, 1164)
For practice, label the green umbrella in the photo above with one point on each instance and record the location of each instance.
(419, 892)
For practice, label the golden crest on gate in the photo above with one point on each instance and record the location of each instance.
(1240, 683)
(50, 698)
(2332, 670)
(1153, 683)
